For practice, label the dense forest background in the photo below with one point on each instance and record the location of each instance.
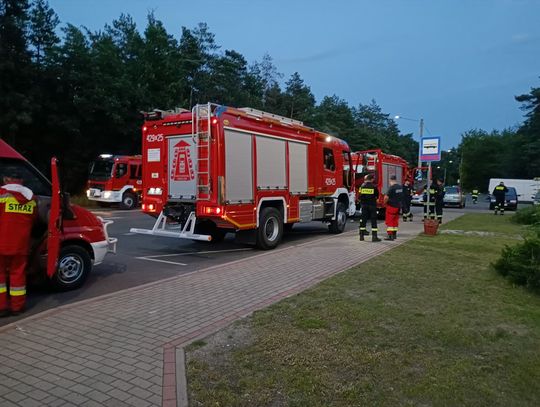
(74, 93)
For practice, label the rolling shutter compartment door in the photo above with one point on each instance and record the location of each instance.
(270, 163)
(298, 183)
(238, 167)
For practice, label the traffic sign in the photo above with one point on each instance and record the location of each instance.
(430, 149)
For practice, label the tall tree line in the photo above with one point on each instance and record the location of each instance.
(75, 93)
(510, 153)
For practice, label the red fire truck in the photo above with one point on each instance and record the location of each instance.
(115, 179)
(382, 166)
(219, 169)
(67, 239)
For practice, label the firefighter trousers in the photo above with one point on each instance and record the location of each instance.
(369, 212)
(439, 210)
(13, 282)
(499, 206)
(392, 220)
(429, 210)
(406, 210)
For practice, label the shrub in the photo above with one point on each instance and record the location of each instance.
(527, 216)
(521, 263)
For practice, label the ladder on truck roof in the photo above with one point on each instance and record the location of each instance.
(201, 117)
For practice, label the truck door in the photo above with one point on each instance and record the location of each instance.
(55, 222)
(182, 167)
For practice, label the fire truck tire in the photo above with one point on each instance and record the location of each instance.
(338, 224)
(74, 265)
(129, 200)
(270, 229)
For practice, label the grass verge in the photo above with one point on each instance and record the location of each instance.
(428, 323)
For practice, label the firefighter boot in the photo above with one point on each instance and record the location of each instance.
(361, 236)
(496, 210)
(390, 236)
(395, 234)
(374, 237)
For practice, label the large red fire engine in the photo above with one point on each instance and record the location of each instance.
(115, 179)
(67, 239)
(382, 166)
(219, 169)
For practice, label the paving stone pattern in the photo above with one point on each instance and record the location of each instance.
(119, 350)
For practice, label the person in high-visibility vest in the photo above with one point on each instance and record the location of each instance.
(368, 202)
(440, 191)
(406, 201)
(393, 199)
(474, 195)
(18, 210)
(500, 197)
(429, 207)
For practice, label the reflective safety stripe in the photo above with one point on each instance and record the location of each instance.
(367, 191)
(362, 228)
(3, 288)
(374, 229)
(16, 291)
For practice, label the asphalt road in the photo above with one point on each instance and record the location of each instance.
(142, 259)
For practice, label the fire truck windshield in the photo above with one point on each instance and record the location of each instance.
(101, 170)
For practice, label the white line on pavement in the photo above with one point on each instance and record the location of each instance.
(162, 261)
(189, 253)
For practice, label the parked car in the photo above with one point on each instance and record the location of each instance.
(454, 197)
(511, 200)
(417, 200)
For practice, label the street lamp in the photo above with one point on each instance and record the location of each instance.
(421, 121)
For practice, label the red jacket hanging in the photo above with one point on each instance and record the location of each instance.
(18, 210)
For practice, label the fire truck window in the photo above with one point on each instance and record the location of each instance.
(329, 163)
(133, 171)
(31, 177)
(121, 170)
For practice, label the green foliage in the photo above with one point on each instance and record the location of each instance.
(527, 216)
(520, 263)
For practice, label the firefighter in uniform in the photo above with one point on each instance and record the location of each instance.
(500, 194)
(440, 191)
(18, 211)
(474, 195)
(406, 202)
(393, 200)
(368, 202)
(429, 207)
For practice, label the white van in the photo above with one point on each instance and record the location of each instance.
(526, 188)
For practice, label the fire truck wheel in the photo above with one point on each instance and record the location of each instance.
(129, 200)
(270, 229)
(74, 264)
(338, 224)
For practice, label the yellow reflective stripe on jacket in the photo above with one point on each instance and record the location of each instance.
(367, 191)
(16, 291)
(499, 188)
(3, 288)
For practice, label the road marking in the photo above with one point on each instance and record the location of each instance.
(162, 261)
(203, 252)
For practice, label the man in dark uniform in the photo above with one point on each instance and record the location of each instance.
(429, 207)
(474, 195)
(440, 191)
(393, 201)
(368, 203)
(500, 197)
(406, 202)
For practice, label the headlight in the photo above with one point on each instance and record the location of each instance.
(107, 194)
(155, 191)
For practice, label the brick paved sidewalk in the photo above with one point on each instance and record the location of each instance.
(119, 349)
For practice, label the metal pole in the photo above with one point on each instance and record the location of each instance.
(420, 143)
(427, 189)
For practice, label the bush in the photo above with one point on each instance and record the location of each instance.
(521, 263)
(527, 216)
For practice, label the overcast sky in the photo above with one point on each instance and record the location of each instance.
(456, 63)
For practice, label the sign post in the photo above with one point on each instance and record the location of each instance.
(430, 148)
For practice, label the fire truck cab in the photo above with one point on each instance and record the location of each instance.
(115, 179)
(219, 169)
(67, 240)
(382, 166)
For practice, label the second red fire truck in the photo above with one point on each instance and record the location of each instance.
(115, 179)
(382, 166)
(219, 169)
